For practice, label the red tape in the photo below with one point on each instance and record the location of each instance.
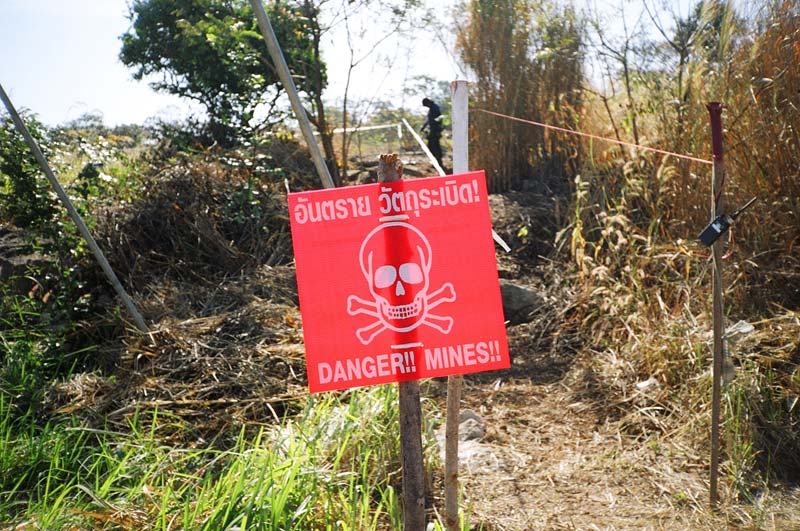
(613, 141)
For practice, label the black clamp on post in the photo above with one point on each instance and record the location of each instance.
(720, 225)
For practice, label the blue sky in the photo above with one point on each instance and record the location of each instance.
(59, 60)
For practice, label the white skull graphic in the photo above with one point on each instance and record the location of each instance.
(395, 260)
(397, 273)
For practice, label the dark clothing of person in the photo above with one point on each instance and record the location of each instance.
(433, 124)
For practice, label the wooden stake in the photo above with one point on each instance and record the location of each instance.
(390, 169)
(98, 254)
(460, 109)
(717, 207)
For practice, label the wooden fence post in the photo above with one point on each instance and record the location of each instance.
(390, 169)
(717, 207)
(460, 110)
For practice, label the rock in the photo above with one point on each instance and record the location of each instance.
(647, 385)
(471, 426)
(471, 430)
(474, 455)
(518, 302)
(737, 332)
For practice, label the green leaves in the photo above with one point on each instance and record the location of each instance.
(212, 52)
(25, 195)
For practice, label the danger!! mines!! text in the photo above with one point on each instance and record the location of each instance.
(383, 365)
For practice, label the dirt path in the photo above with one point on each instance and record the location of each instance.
(547, 461)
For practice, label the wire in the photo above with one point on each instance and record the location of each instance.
(732, 242)
(563, 130)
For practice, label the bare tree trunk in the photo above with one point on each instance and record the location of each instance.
(326, 136)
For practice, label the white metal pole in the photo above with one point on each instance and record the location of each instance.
(37, 152)
(285, 76)
(460, 97)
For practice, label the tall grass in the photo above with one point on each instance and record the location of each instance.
(334, 466)
(644, 301)
(644, 280)
(526, 58)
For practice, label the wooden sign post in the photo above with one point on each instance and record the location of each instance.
(390, 170)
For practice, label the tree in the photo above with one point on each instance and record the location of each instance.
(364, 36)
(211, 51)
(313, 72)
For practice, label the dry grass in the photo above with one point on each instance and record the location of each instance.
(527, 61)
(221, 355)
(203, 249)
(573, 442)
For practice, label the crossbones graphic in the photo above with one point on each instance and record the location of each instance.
(395, 259)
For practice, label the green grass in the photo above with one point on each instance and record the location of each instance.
(334, 466)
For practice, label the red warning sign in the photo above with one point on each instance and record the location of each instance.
(397, 281)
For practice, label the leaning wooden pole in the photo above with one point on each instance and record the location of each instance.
(98, 254)
(460, 110)
(285, 76)
(717, 207)
(389, 170)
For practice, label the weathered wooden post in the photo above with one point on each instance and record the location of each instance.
(390, 169)
(717, 207)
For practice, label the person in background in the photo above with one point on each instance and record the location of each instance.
(433, 125)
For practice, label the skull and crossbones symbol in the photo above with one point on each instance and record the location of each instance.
(395, 259)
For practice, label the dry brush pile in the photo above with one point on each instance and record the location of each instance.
(205, 249)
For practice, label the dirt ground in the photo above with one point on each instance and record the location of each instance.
(553, 456)
(548, 463)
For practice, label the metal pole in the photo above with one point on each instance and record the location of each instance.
(460, 99)
(288, 84)
(717, 206)
(37, 152)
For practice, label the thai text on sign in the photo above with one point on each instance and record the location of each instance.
(397, 281)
